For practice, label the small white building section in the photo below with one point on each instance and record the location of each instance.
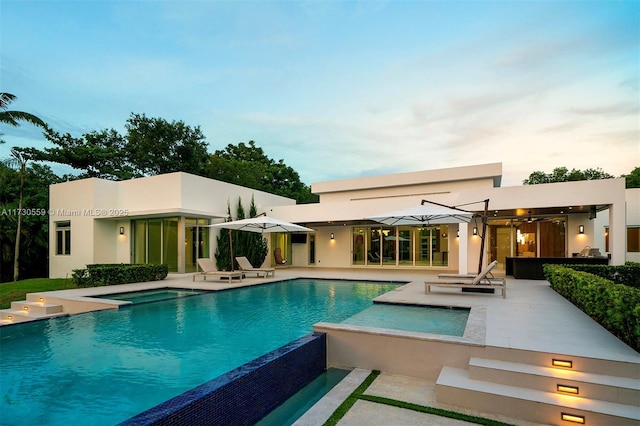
(99, 216)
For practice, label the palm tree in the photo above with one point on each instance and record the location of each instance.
(13, 118)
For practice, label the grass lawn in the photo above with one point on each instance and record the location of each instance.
(16, 291)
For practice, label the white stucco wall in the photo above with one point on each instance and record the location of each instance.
(97, 209)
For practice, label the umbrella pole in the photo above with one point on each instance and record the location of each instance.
(231, 248)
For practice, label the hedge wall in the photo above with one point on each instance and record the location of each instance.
(122, 273)
(627, 274)
(614, 306)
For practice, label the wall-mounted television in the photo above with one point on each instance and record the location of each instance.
(299, 238)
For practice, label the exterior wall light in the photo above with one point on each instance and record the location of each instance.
(562, 363)
(475, 230)
(458, 234)
(568, 389)
(580, 229)
(572, 418)
(122, 230)
(333, 237)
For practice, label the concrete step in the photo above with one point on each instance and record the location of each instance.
(14, 316)
(455, 387)
(622, 390)
(36, 307)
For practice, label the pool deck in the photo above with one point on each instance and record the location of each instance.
(533, 317)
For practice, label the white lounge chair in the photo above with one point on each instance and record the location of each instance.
(208, 268)
(484, 279)
(246, 266)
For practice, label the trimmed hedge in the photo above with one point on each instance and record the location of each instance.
(122, 273)
(614, 306)
(627, 274)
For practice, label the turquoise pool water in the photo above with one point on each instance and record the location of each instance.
(298, 404)
(423, 319)
(151, 295)
(104, 367)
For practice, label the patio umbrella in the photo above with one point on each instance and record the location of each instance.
(431, 213)
(261, 223)
(423, 215)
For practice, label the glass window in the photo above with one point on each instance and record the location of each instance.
(373, 246)
(405, 245)
(170, 243)
(358, 246)
(155, 241)
(526, 240)
(139, 241)
(63, 238)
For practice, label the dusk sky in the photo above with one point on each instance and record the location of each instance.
(341, 89)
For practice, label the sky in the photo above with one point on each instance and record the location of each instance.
(341, 89)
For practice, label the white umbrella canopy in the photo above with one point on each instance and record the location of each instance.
(262, 224)
(424, 215)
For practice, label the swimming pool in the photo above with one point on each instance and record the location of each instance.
(110, 365)
(156, 295)
(422, 319)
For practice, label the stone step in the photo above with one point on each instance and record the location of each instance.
(13, 316)
(455, 387)
(36, 308)
(621, 390)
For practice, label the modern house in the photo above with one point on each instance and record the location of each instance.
(163, 219)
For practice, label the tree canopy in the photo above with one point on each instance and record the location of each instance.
(633, 178)
(248, 165)
(151, 146)
(562, 174)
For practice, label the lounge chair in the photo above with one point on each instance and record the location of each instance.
(246, 266)
(488, 275)
(482, 280)
(277, 255)
(208, 268)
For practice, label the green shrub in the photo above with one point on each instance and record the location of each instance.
(112, 274)
(616, 307)
(627, 274)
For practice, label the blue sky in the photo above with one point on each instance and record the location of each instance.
(341, 89)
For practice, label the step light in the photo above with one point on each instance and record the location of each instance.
(562, 363)
(10, 317)
(568, 389)
(574, 418)
(41, 300)
(26, 308)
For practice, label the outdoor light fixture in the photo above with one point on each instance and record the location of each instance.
(10, 317)
(475, 230)
(41, 300)
(572, 418)
(458, 234)
(122, 230)
(333, 236)
(26, 308)
(562, 363)
(567, 389)
(580, 229)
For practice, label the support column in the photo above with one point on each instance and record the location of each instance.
(463, 248)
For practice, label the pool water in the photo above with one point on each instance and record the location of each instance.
(287, 413)
(151, 295)
(423, 319)
(110, 365)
